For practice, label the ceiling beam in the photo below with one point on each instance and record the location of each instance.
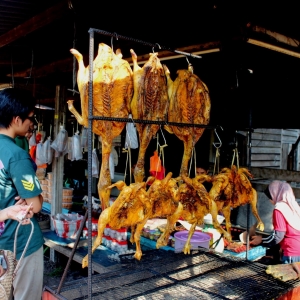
(66, 65)
(38, 21)
(278, 36)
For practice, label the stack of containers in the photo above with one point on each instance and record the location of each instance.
(116, 240)
(67, 201)
(46, 185)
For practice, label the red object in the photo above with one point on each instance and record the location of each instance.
(159, 175)
(155, 163)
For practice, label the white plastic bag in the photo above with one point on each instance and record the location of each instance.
(84, 138)
(95, 164)
(76, 146)
(32, 140)
(60, 144)
(48, 151)
(40, 157)
(70, 149)
(131, 140)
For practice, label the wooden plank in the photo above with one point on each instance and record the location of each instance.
(273, 164)
(289, 139)
(266, 157)
(275, 174)
(266, 150)
(265, 143)
(284, 156)
(266, 136)
(33, 24)
(267, 131)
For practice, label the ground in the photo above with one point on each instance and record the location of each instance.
(53, 272)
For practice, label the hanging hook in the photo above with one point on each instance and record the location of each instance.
(112, 39)
(219, 144)
(155, 45)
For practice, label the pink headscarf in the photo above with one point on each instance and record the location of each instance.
(285, 202)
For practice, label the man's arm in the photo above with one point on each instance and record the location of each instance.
(37, 203)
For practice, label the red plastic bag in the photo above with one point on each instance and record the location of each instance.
(155, 163)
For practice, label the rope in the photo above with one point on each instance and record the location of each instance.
(235, 155)
(217, 161)
(25, 249)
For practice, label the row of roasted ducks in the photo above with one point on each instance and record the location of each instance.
(177, 198)
(148, 93)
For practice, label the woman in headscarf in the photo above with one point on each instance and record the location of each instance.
(286, 222)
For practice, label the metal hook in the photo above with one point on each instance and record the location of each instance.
(155, 45)
(112, 39)
(219, 144)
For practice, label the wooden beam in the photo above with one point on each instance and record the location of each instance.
(38, 21)
(66, 65)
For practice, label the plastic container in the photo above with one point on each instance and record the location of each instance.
(107, 230)
(66, 225)
(198, 240)
(121, 234)
(94, 224)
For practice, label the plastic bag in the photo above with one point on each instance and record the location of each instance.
(95, 164)
(155, 163)
(131, 140)
(111, 165)
(60, 144)
(70, 149)
(48, 151)
(76, 147)
(32, 141)
(84, 138)
(40, 158)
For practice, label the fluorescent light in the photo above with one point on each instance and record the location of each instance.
(44, 107)
(273, 47)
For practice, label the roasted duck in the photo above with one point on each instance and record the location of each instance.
(149, 102)
(112, 93)
(189, 103)
(163, 198)
(195, 204)
(232, 188)
(129, 209)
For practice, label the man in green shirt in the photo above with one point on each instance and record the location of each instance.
(18, 178)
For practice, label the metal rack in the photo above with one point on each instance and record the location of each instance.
(167, 275)
(91, 118)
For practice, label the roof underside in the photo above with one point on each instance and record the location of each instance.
(36, 36)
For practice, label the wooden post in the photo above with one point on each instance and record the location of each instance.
(58, 162)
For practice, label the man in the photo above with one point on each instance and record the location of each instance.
(18, 178)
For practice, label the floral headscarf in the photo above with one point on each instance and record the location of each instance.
(284, 198)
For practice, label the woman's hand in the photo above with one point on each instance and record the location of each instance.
(19, 212)
(256, 240)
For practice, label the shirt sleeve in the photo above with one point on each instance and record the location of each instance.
(24, 178)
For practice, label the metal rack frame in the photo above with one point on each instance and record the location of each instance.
(90, 124)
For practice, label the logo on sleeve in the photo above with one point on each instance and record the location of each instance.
(27, 185)
(1, 165)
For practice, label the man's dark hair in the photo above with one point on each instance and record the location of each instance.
(15, 102)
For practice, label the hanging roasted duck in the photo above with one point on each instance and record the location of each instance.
(150, 102)
(189, 103)
(112, 93)
(128, 210)
(195, 203)
(232, 188)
